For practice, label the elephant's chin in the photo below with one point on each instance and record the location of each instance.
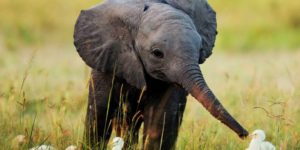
(195, 84)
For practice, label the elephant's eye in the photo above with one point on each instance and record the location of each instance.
(157, 53)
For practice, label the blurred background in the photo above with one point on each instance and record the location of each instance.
(243, 26)
(254, 71)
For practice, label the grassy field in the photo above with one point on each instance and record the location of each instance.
(254, 71)
(43, 95)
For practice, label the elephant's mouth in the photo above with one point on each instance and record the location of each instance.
(157, 74)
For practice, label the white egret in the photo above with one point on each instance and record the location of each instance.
(258, 143)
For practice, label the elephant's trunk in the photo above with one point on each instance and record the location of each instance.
(195, 84)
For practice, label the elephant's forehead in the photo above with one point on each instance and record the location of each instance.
(164, 23)
(179, 38)
(158, 14)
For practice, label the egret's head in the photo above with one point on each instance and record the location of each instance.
(258, 135)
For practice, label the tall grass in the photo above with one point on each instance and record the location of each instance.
(261, 90)
(43, 82)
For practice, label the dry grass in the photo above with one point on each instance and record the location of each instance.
(261, 90)
(43, 90)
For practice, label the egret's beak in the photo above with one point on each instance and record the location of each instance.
(252, 136)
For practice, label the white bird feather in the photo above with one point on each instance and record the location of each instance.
(43, 147)
(71, 147)
(118, 143)
(258, 143)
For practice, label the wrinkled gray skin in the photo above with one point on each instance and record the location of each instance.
(148, 47)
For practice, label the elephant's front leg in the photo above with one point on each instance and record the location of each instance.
(99, 112)
(162, 119)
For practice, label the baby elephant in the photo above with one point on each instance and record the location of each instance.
(145, 57)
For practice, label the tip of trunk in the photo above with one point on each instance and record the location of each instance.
(212, 104)
(194, 83)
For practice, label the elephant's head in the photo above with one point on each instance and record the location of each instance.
(135, 39)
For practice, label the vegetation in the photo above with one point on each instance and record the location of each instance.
(242, 25)
(47, 96)
(43, 92)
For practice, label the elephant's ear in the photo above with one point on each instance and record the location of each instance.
(104, 39)
(204, 18)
